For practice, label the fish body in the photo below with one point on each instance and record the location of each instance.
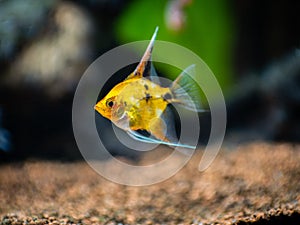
(139, 103)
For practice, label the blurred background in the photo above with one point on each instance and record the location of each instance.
(252, 47)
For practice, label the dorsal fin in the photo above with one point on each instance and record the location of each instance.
(144, 66)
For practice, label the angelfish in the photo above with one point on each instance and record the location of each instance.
(139, 103)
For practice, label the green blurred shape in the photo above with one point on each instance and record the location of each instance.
(208, 32)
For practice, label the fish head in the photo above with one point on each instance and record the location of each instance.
(110, 104)
(110, 108)
(105, 107)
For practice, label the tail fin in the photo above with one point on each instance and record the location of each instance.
(186, 91)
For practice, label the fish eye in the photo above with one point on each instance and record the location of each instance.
(110, 103)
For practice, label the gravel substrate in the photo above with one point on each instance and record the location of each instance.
(249, 184)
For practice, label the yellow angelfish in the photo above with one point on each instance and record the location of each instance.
(139, 103)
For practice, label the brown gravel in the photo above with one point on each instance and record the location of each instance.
(250, 184)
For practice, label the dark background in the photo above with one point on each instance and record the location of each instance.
(45, 47)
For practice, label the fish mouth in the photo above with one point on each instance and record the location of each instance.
(97, 108)
(102, 112)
